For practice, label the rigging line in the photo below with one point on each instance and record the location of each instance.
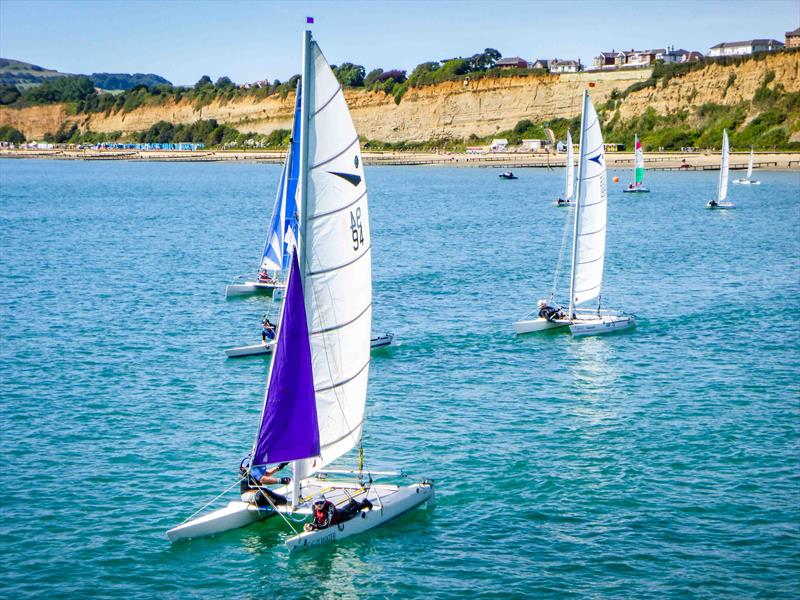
(275, 508)
(225, 491)
(559, 264)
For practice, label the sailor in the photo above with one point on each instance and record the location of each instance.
(254, 479)
(326, 514)
(267, 330)
(263, 277)
(712, 203)
(549, 312)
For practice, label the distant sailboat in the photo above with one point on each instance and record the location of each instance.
(638, 170)
(722, 186)
(314, 406)
(377, 340)
(283, 226)
(588, 246)
(569, 181)
(748, 179)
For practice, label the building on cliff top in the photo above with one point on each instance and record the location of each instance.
(793, 38)
(541, 63)
(512, 62)
(745, 48)
(565, 66)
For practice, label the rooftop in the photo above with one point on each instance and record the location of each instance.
(759, 42)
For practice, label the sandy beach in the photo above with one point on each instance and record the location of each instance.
(666, 161)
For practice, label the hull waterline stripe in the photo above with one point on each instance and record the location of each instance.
(336, 210)
(340, 325)
(347, 264)
(328, 101)
(344, 381)
(335, 156)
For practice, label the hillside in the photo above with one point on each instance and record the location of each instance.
(666, 108)
(23, 74)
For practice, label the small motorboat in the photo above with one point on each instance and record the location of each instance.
(507, 175)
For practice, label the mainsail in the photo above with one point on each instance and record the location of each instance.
(283, 225)
(638, 174)
(335, 260)
(750, 165)
(570, 182)
(722, 191)
(589, 241)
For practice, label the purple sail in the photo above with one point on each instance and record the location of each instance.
(289, 429)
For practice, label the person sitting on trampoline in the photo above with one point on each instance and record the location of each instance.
(326, 514)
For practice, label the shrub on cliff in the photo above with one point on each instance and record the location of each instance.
(8, 93)
(62, 89)
(11, 134)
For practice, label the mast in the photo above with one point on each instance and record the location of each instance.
(577, 205)
(305, 79)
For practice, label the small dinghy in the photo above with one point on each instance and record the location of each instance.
(722, 187)
(314, 407)
(507, 175)
(380, 340)
(638, 170)
(748, 179)
(569, 183)
(588, 247)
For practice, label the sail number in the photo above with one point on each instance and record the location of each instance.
(356, 229)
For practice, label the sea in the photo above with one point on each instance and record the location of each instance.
(658, 463)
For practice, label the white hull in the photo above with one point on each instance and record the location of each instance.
(638, 190)
(538, 324)
(746, 182)
(235, 515)
(390, 506)
(252, 287)
(562, 202)
(377, 341)
(594, 325)
(720, 205)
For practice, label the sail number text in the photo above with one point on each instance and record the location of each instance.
(356, 229)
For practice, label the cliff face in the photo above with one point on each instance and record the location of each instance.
(711, 85)
(450, 109)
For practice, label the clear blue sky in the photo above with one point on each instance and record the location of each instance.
(250, 40)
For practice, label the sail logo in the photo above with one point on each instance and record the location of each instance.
(597, 159)
(349, 177)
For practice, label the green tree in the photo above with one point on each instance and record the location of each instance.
(8, 93)
(11, 134)
(349, 75)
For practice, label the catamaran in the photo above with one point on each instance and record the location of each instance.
(377, 340)
(282, 231)
(638, 169)
(748, 179)
(722, 186)
(588, 247)
(569, 182)
(314, 405)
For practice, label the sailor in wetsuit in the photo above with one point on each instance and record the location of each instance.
(548, 312)
(267, 330)
(326, 514)
(252, 487)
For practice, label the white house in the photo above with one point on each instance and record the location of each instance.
(744, 48)
(565, 66)
(533, 145)
(498, 145)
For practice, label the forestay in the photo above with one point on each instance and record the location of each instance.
(590, 220)
(722, 192)
(335, 253)
(283, 225)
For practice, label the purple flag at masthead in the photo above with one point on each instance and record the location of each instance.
(309, 19)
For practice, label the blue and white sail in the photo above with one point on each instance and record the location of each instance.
(283, 225)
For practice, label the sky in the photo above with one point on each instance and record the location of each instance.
(248, 40)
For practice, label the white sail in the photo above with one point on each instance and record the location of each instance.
(570, 183)
(722, 191)
(750, 165)
(589, 241)
(335, 254)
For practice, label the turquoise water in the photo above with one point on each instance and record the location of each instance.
(664, 462)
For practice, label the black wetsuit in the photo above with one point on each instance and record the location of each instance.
(249, 484)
